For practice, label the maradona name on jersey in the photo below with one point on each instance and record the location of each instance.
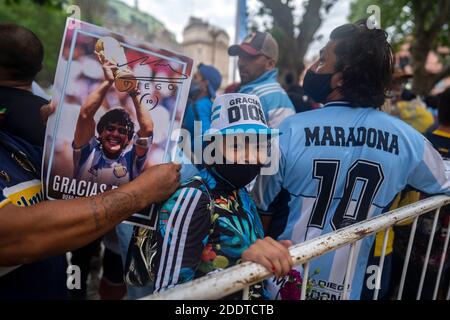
(77, 188)
(352, 137)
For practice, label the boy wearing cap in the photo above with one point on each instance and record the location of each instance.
(258, 55)
(211, 223)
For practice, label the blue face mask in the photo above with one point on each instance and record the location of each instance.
(194, 90)
(317, 86)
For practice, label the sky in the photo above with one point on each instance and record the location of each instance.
(174, 14)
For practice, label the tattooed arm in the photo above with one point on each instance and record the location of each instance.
(53, 227)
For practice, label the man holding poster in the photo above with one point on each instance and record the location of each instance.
(32, 230)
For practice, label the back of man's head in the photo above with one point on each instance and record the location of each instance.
(21, 53)
(365, 58)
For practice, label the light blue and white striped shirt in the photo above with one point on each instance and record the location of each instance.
(274, 100)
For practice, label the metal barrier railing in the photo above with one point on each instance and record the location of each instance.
(240, 277)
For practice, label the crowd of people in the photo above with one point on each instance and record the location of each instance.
(344, 157)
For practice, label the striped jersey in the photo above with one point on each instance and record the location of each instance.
(90, 164)
(338, 166)
(274, 100)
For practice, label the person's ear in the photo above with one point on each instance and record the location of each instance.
(337, 80)
(205, 85)
(40, 68)
(271, 63)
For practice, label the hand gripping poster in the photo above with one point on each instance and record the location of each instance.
(117, 100)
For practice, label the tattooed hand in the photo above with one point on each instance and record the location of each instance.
(159, 182)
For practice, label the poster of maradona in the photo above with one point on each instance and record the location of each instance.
(117, 100)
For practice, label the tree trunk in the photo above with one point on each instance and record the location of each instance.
(293, 49)
(424, 42)
(422, 80)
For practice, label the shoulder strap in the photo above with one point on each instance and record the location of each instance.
(208, 191)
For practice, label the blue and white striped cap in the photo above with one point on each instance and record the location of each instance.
(235, 113)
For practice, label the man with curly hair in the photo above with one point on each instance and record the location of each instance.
(346, 162)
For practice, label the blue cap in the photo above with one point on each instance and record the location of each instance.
(212, 75)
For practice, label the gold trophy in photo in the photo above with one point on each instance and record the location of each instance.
(110, 49)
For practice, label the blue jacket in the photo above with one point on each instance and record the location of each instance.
(274, 100)
(21, 186)
(199, 110)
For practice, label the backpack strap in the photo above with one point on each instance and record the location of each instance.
(199, 179)
(139, 265)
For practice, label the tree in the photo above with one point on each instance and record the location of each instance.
(46, 19)
(92, 11)
(47, 3)
(428, 24)
(294, 38)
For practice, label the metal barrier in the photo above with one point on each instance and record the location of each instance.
(240, 277)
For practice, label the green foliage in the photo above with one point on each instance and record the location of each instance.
(47, 21)
(293, 32)
(397, 18)
(48, 3)
(425, 24)
(47, 18)
(92, 11)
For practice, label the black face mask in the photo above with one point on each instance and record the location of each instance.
(238, 175)
(317, 86)
(194, 90)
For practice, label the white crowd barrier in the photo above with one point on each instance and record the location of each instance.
(240, 277)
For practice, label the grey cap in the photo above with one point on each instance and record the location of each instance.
(256, 43)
